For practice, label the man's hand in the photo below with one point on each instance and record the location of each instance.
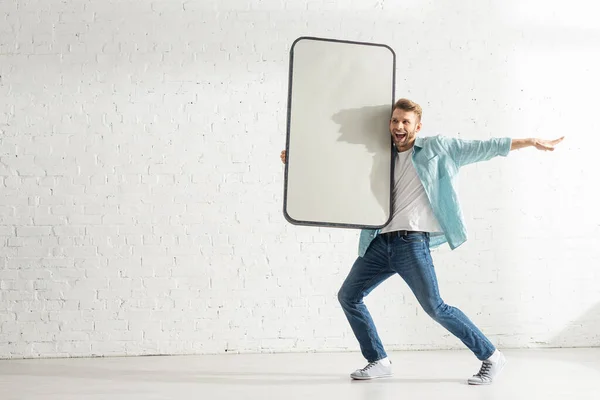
(546, 145)
(540, 144)
(282, 156)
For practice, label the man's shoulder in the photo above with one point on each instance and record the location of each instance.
(434, 144)
(423, 141)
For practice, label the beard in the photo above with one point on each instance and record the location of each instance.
(402, 138)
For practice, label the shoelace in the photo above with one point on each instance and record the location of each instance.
(484, 372)
(369, 365)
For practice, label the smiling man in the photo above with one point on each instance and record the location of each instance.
(426, 213)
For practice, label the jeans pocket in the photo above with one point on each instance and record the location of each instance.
(414, 238)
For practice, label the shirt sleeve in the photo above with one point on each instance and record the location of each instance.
(466, 152)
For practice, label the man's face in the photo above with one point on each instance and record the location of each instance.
(404, 126)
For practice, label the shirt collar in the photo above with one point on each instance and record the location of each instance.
(419, 141)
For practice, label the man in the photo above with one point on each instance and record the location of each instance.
(425, 212)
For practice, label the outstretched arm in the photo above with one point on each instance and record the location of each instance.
(540, 144)
(466, 152)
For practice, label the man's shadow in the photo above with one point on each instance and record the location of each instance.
(369, 127)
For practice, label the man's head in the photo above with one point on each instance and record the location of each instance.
(405, 123)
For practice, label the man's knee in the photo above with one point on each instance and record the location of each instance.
(345, 297)
(342, 296)
(436, 310)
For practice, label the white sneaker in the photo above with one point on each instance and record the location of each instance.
(489, 371)
(374, 370)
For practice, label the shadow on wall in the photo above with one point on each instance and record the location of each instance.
(356, 126)
(583, 332)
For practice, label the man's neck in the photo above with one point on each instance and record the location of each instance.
(406, 148)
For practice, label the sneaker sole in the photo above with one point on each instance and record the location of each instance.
(366, 378)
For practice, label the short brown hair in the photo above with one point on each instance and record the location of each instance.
(409, 105)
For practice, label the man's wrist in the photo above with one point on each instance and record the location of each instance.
(517, 144)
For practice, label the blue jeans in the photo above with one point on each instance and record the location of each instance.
(409, 257)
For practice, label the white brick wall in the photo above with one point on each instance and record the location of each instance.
(141, 188)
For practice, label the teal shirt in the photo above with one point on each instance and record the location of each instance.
(437, 160)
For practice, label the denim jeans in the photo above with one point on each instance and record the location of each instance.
(409, 257)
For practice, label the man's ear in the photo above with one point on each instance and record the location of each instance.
(419, 125)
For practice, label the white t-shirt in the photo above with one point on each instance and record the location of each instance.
(412, 210)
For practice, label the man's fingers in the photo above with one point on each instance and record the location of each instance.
(548, 145)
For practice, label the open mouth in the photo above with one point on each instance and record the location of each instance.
(400, 136)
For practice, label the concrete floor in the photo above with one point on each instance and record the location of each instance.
(529, 374)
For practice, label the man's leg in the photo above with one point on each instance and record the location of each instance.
(412, 260)
(366, 274)
(414, 264)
